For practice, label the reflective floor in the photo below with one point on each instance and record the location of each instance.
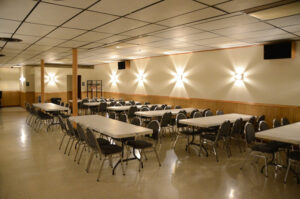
(31, 166)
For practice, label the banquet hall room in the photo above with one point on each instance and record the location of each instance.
(164, 99)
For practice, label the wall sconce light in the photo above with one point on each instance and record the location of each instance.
(179, 77)
(140, 78)
(51, 79)
(114, 78)
(239, 76)
(22, 79)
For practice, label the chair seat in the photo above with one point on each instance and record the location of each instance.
(139, 144)
(209, 136)
(280, 144)
(109, 149)
(265, 148)
(124, 139)
(294, 155)
(189, 132)
(102, 141)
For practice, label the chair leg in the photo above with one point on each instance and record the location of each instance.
(266, 167)
(62, 141)
(175, 142)
(77, 150)
(100, 169)
(122, 165)
(216, 154)
(89, 162)
(73, 140)
(67, 145)
(81, 154)
(157, 157)
(287, 172)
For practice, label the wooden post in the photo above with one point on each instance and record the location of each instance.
(42, 81)
(74, 82)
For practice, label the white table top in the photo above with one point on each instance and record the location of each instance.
(159, 113)
(78, 100)
(288, 134)
(110, 127)
(126, 108)
(91, 103)
(215, 120)
(50, 107)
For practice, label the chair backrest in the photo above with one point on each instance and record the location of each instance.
(112, 103)
(183, 112)
(122, 103)
(263, 126)
(237, 128)
(147, 103)
(81, 133)
(208, 113)
(219, 112)
(145, 108)
(224, 130)
(71, 128)
(193, 112)
(177, 107)
(112, 115)
(67, 105)
(91, 140)
(249, 133)
(138, 103)
(198, 114)
(62, 124)
(118, 104)
(284, 121)
(157, 108)
(166, 119)
(179, 117)
(163, 106)
(132, 102)
(167, 107)
(276, 123)
(252, 120)
(261, 118)
(131, 111)
(62, 103)
(102, 107)
(136, 121)
(152, 108)
(204, 111)
(123, 117)
(154, 125)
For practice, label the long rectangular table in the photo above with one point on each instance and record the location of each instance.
(160, 113)
(211, 121)
(288, 134)
(50, 107)
(126, 108)
(112, 128)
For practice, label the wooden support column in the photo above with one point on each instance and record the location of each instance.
(42, 81)
(74, 82)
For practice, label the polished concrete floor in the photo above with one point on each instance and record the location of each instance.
(31, 166)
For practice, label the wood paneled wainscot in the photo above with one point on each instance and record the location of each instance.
(10, 98)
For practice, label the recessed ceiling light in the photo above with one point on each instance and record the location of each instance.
(8, 39)
(2, 55)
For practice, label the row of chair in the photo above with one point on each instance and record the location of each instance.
(85, 138)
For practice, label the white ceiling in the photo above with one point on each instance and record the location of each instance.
(110, 30)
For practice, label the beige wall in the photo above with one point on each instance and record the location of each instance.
(10, 79)
(60, 74)
(209, 75)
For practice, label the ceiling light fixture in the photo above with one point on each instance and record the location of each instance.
(9, 39)
(2, 55)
